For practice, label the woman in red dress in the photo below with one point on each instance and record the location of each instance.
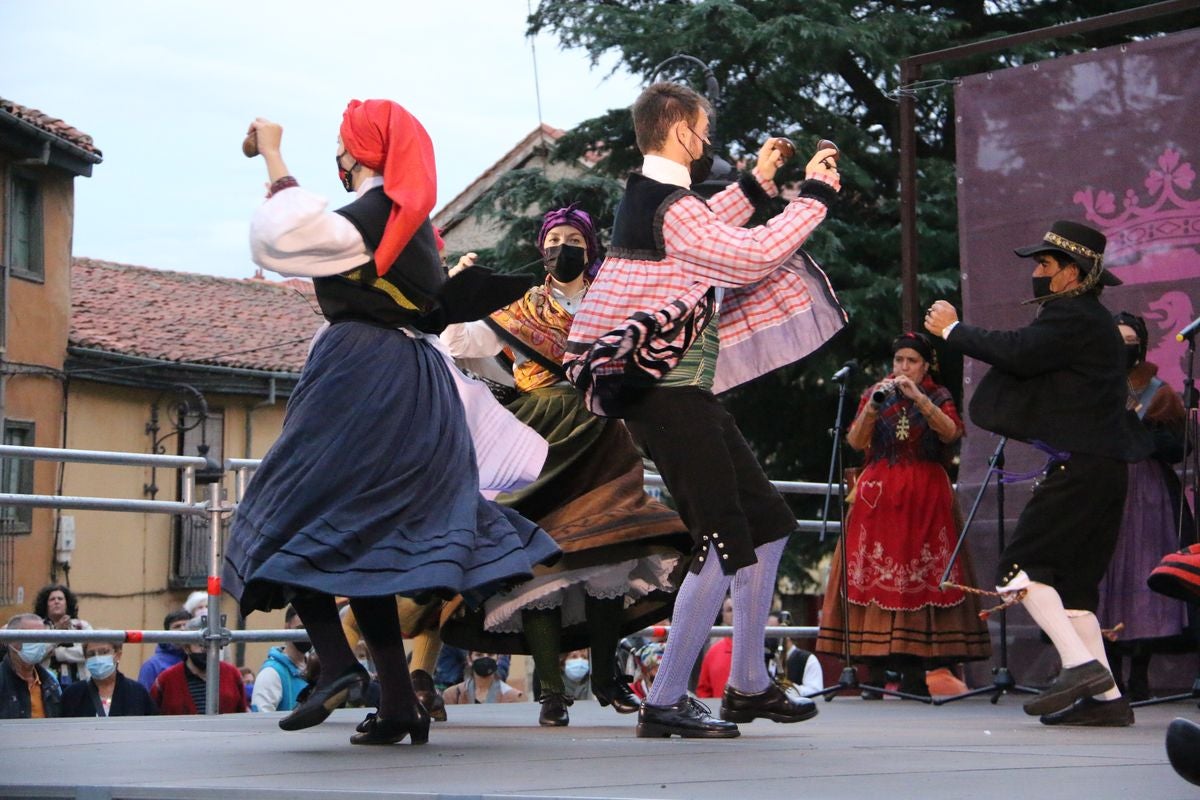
(901, 532)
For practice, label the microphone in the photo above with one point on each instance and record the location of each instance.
(848, 369)
(1188, 332)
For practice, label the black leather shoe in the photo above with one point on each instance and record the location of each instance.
(1088, 711)
(554, 710)
(376, 730)
(1087, 679)
(428, 695)
(321, 702)
(689, 718)
(1183, 749)
(619, 696)
(772, 703)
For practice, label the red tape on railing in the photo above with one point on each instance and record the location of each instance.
(214, 585)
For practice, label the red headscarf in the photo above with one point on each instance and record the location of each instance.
(382, 136)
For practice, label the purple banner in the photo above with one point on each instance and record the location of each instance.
(1110, 138)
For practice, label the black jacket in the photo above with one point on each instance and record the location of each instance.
(14, 694)
(130, 699)
(1059, 380)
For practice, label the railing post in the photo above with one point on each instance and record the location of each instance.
(214, 633)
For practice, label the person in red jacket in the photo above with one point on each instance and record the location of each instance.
(714, 669)
(181, 689)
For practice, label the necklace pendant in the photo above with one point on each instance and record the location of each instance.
(902, 426)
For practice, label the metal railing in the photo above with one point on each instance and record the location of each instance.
(197, 470)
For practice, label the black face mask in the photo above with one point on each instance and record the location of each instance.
(1133, 355)
(483, 666)
(303, 647)
(701, 166)
(1041, 287)
(344, 175)
(565, 262)
(199, 660)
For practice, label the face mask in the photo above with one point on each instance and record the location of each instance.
(34, 652)
(483, 666)
(1041, 287)
(101, 666)
(1133, 355)
(576, 668)
(344, 175)
(199, 660)
(565, 261)
(701, 166)
(303, 647)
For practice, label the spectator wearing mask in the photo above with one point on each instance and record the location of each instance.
(58, 605)
(106, 693)
(576, 666)
(166, 654)
(482, 684)
(649, 656)
(181, 689)
(27, 689)
(281, 679)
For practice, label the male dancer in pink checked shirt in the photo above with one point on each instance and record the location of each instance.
(689, 303)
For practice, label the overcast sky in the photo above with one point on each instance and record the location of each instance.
(167, 89)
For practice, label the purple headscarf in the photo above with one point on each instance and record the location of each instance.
(580, 221)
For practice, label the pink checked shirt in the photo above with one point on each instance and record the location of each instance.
(776, 305)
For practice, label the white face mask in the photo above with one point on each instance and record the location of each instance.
(101, 666)
(576, 668)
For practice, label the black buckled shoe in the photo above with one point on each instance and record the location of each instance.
(1090, 712)
(376, 730)
(1088, 679)
(321, 702)
(772, 703)
(689, 718)
(427, 693)
(554, 710)
(1183, 749)
(619, 696)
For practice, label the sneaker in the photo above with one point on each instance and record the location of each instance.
(1088, 679)
(1090, 712)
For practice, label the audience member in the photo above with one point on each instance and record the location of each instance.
(181, 689)
(714, 670)
(196, 604)
(804, 671)
(482, 684)
(27, 689)
(107, 693)
(166, 654)
(58, 605)
(280, 681)
(576, 666)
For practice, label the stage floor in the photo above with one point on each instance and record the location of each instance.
(854, 749)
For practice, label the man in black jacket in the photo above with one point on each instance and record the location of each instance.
(1059, 383)
(27, 689)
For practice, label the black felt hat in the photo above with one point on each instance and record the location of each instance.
(1078, 243)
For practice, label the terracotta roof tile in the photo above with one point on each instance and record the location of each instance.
(183, 317)
(50, 124)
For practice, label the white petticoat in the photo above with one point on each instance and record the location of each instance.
(631, 579)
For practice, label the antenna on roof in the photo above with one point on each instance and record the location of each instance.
(537, 89)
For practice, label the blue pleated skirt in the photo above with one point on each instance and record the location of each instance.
(372, 488)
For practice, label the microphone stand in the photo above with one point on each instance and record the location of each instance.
(1002, 679)
(849, 677)
(1189, 454)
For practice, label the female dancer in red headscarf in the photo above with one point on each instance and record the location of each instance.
(372, 489)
